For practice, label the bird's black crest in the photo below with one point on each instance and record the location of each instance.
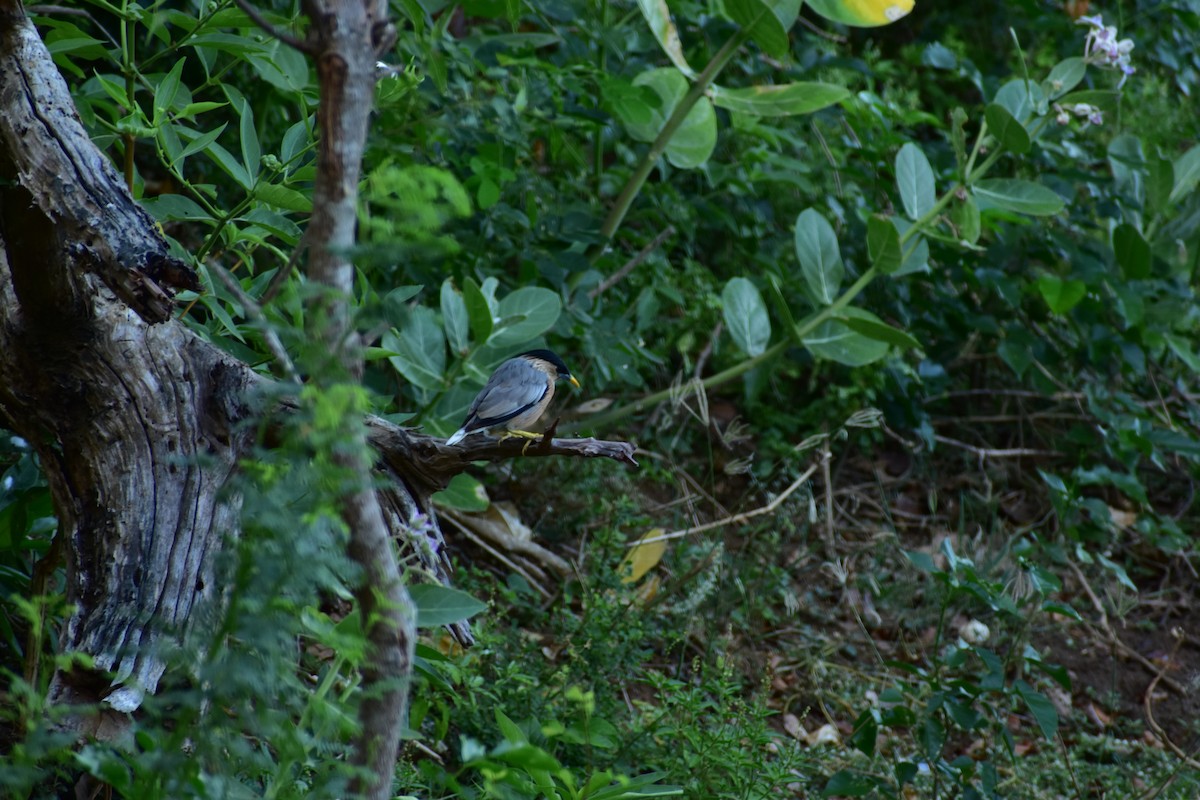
(550, 356)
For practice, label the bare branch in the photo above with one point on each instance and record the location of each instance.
(258, 19)
(736, 519)
(632, 263)
(270, 337)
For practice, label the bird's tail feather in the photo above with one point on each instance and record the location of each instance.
(458, 436)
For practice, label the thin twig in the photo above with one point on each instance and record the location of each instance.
(256, 313)
(1114, 640)
(632, 263)
(258, 19)
(1017, 452)
(702, 359)
(736, 518)
(1148, 704)
(480, 541)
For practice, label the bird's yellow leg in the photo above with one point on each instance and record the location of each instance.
(515, 434)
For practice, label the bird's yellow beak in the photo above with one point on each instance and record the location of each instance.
(574, 382)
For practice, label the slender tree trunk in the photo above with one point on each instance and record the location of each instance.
(348, 37)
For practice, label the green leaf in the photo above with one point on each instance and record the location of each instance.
(874, 328)
(658, 16)
(454, 317)
(746, 316)
(848, 783)
(1132, 252)
(1061, 295)
(510, 730)
(958, 137)
(284, 67)
(834, 340)
(479, 312)
(914, 178)
(192, 109)
(916, 250)
(283, 197)
(439, 605)
(225, 160)
(820, 259)
(1160, 182)
(463, 493)
(933, 737)
(966, 219)
(419, 347)
(295, 141)
(524, 315)
(1117, 570)
(201, 142)
(1040, 706)
(694, 140)
(167, 91)
(1182, 348)
(1008, 131)
(1065, 76)
(767, 23)
(779, 101)
(114, 90)
(175, 207)
(1187, 173)
(251, 152)
(1012, 194)
(1022, 99)
(862, 13)
(883, 244)
(781, 306)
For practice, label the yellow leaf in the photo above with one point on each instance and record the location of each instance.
(641, 558)
(862, 13)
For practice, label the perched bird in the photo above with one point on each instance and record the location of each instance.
(518, 392)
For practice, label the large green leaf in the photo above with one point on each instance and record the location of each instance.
(767, 22)
(439, 605)
(916, 250)
(883, 245)
(914, 178)
(1013, 194)
(834, 340)
(479, 311)
(1040, 706)
(524, 315)
(1132, 252)
(1022, 99)
(1187, 173)
(1064, 77)
(746, 316)
(820, 259)
(419, 347)
(1061, 295)
(862, 13)
(463, 493)
(455, 319)
(694, 140)
(1005, 127)
(779, 101)
(874, 328)
(658, 16)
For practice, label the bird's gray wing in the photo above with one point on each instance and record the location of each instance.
(514, 387)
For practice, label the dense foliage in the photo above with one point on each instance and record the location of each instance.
(951, 261)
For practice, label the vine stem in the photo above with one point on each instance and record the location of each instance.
(644, 167)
